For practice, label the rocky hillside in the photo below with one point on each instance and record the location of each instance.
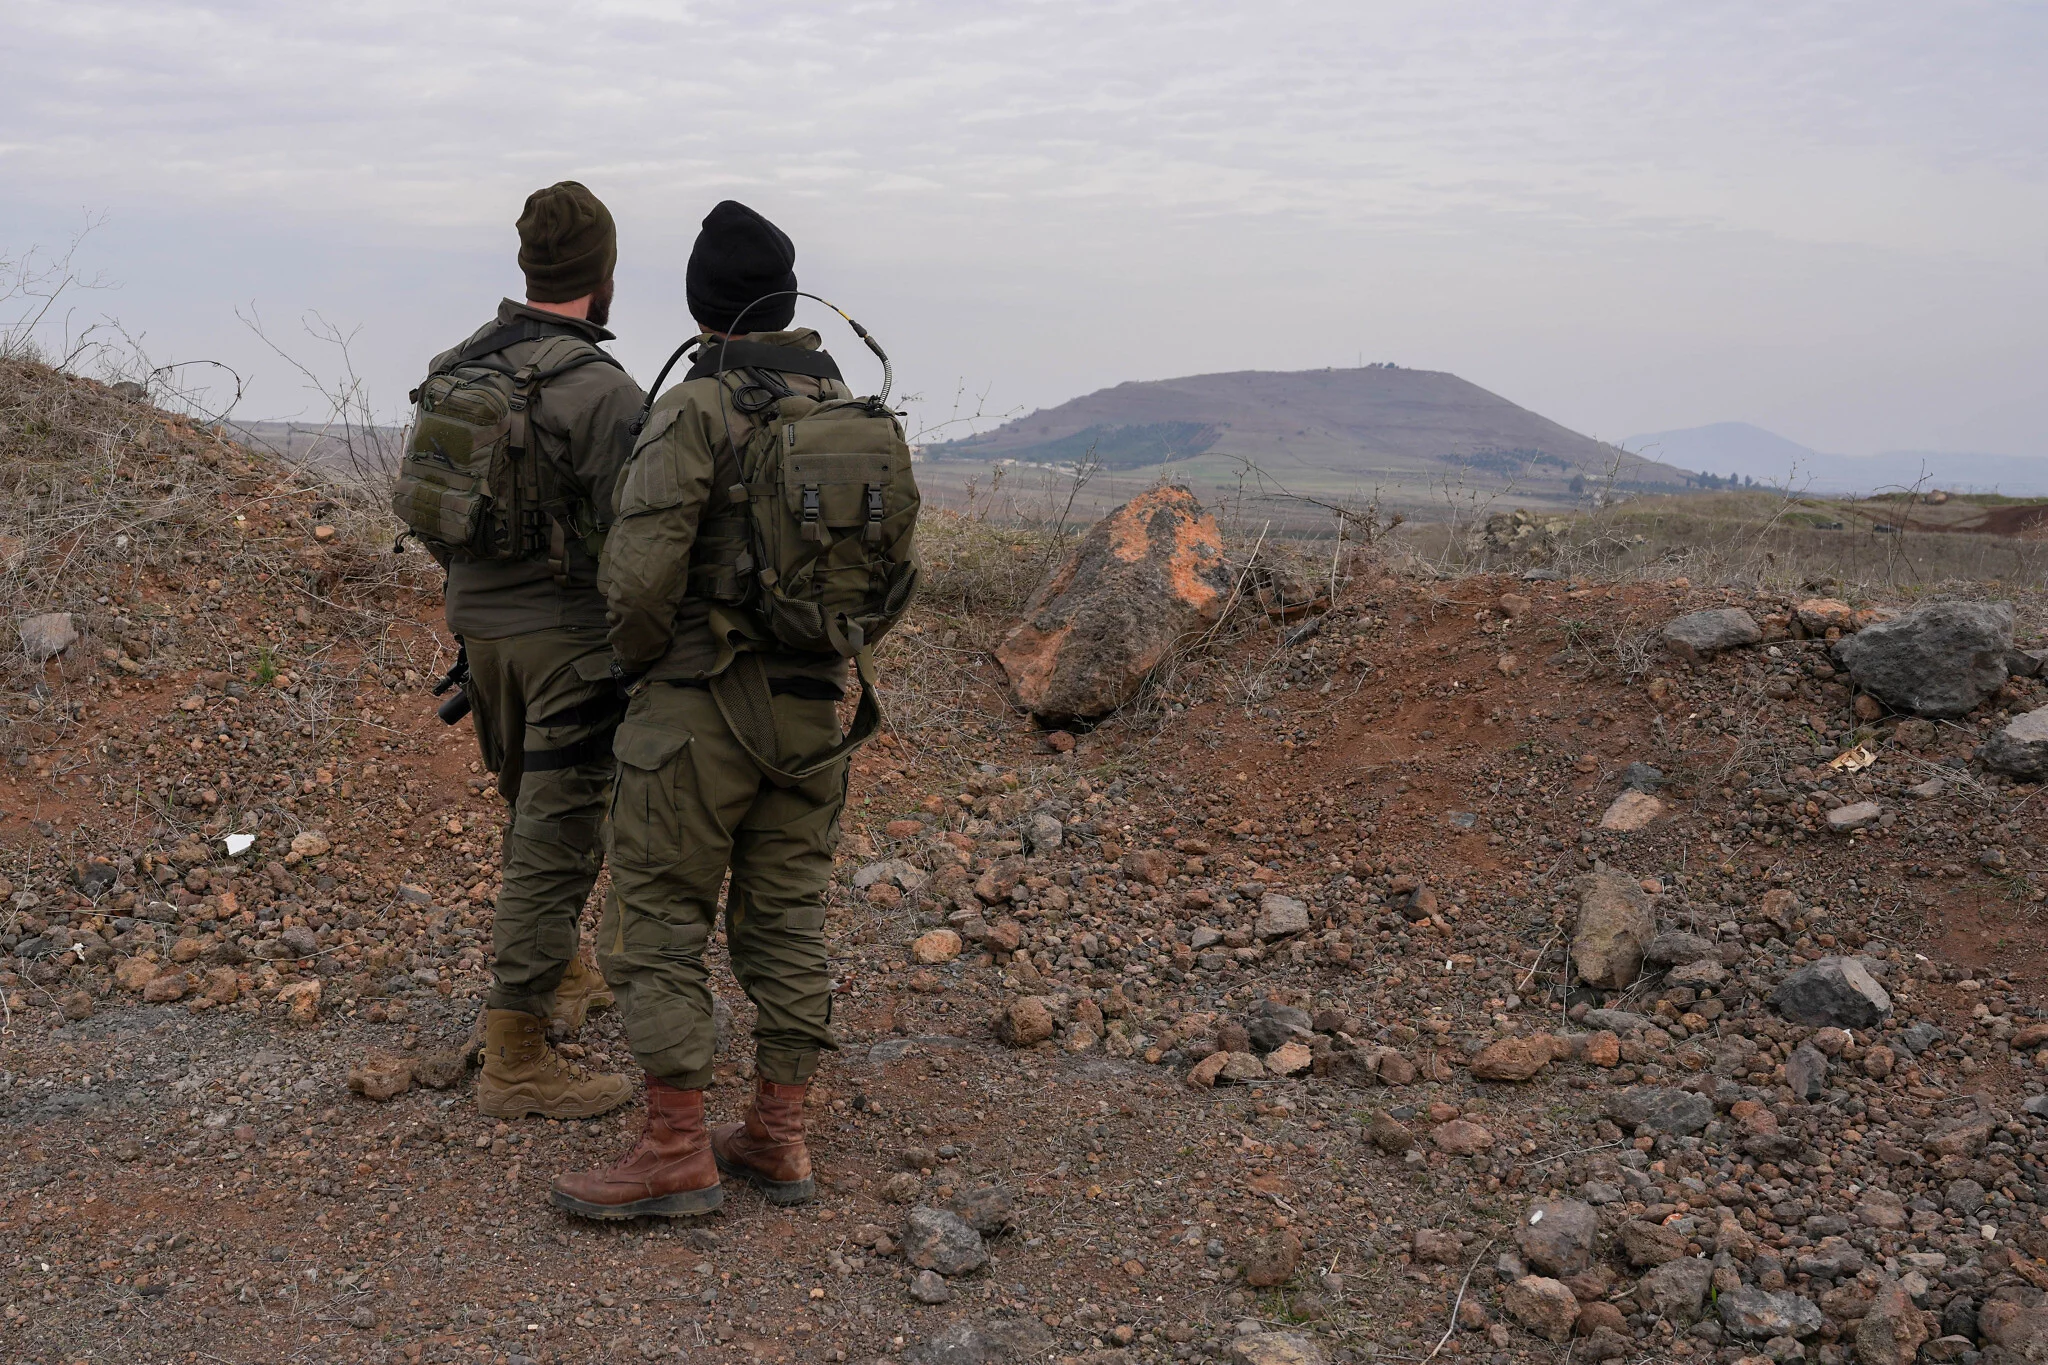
(1476, 969)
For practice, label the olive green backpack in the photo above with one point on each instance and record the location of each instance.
(473, 484)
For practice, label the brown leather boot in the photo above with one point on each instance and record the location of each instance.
(583, 992)
(767, 1148)
(522, 1075)
(668, 1174)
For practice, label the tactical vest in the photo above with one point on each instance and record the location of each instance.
(474, 483)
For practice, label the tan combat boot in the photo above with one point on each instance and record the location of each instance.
(522, 1075)
(668, 1174)
(767, 1148)
(582, 993)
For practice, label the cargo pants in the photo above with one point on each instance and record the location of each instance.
(544, 706)
(689, 805)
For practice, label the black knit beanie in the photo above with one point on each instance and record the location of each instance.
(567, 243)
(739, 257)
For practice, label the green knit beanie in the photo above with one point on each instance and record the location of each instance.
(567, 244)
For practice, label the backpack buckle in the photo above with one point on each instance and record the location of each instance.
(874, 531)
(812, 529)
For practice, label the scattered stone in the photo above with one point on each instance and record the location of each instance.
(1043, 832)
(900, 872)
(1461, 1137)
(1698, 634)
(165, 987)
(1631, 811)
(1289, 1059)
(134, 973)
(46, 636)
(1140, 580)
(1806, 1071)
(1542, 1305)
(1276, 1348)
(1272, 1260)
(1389, 1135)
(1514, 1059)
(1676, 1289)
(1758, 1314)
(903, 1187)
(1660, 1109)
(1437, 1246)
(77, 1005)
(1837, 991)
(1942, 659)
(1858, 815)
(1556, 1236)
(1615, 925)
(310, 844)
(935, 1239)
(2020, 749)
(1642, 777)
(940, 945)
(380, 1078)
(301, 1000)
(1819, 615)
(1205, 1073)
(989, 1209)
(1280, 916)
(997, 1340)
(1651, 1244)
(928, 1286)
(1024, 1022)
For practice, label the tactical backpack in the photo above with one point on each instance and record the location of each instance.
(828, 562)
(474, 484)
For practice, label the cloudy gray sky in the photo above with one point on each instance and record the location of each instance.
(1830, 219)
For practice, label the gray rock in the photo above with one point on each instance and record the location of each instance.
(1276, 1348)
(1709, 975)
(1556, 1236)
(901, 871)
(1758, 1314)
(1661, 1109)
(1673, 948)
(1642, 777)
(928, 1286)
(45, 637)
(1614, 927)
(993, 1341)
(2037, 1105)
(1854, 816)
(1280, 916)
(1832, 1258)
(2021, 748)
(988, 1209)
(1836, 992)
(1917, 1038)
(1964, 1196)
(1273, 1024)
(1806, 1071)
(937, 1239)
(1676, 1289)
(1700, 633)
(1942, 659)
(1043, 832)
(1621, 1022)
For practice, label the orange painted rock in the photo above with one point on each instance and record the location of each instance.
(1143, 579)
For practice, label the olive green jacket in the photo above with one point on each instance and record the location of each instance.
(673, 507)
(583, 423)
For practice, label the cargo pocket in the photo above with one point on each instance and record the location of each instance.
(646, 829)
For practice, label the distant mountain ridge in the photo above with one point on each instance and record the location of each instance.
(1377, 424)
(1750, 452)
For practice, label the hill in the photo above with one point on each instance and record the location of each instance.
(1751, 452)
(1407, 434)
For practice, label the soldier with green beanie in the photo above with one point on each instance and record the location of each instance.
(532, 623)
(695, 798)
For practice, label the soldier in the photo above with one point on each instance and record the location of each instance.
(526, 607)
(731, 756)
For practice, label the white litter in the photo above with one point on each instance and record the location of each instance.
(238, 844)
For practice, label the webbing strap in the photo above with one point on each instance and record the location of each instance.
(744, 699)
(512, 333)
(589, 749)
(715, 358)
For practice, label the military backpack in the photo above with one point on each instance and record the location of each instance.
(473, 483)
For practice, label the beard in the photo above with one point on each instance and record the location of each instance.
(601, 305)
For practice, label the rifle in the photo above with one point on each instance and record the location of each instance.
(457, 706)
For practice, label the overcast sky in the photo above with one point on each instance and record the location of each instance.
(1830, 219)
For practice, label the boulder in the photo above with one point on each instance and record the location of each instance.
(45, 637)
(2021, 748)
(1832, 991)
(1556, 1236)
(1942, 659)
(1143, 579)
(1696, 635)
(1615, 927)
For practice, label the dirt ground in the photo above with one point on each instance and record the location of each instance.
(1424, 768)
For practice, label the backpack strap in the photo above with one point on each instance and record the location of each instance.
(715, 357)
(525, 329)
(746, 702)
